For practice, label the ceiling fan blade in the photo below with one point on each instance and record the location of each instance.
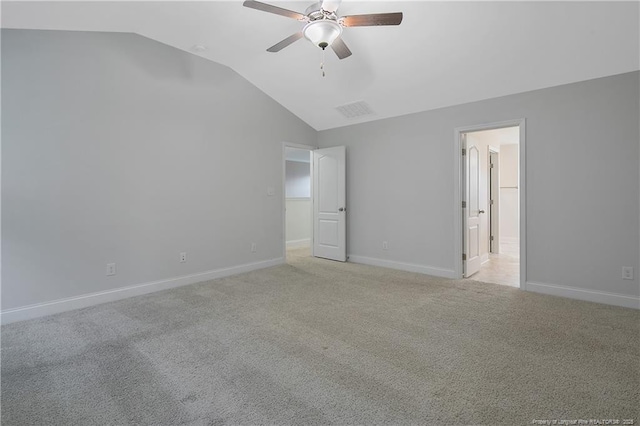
(274, 9)
(284, 43)
(340, 48)
(331, 5)
(372, 19)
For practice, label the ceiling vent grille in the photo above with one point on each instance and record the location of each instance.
(355, 109)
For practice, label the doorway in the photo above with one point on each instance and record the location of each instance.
(490, 160)
(314, 202)
(298, 202)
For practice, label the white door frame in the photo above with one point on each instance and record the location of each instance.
(286, 145)
(458, 188)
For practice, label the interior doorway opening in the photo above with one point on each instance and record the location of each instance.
(298, 202)
(491, 223)
(314, 202)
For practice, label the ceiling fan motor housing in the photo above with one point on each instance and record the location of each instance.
(322, 32)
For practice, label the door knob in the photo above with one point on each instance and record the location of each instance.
(342, 209)
(480, 211)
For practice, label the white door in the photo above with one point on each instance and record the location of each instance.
(471, 211)
(494, 202)
(329, 207)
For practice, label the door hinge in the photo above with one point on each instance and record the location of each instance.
(491, 202)
(464, 204)
(491, 165)
(464, 151)
(492, 238)
(464, 256)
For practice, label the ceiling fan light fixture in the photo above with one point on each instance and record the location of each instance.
(322, 32)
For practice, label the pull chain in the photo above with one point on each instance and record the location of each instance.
(322, 63)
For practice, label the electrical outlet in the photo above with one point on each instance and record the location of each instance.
(385, 245)
(111, 269)
(254, 247)
(183, 257)
(627, 273)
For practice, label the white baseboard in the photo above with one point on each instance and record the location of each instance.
(484, 258)
(410, 267)
(584, 294)
(299, 243)
(62, 305)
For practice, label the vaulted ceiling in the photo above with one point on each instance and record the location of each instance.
(443, 53)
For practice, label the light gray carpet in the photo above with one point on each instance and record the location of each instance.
(319, 342)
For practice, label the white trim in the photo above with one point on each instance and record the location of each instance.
(299, 243)
(62, 305)
(458, 186)
(410, 267)
(522, 194)
(484, 258)
(584, 294)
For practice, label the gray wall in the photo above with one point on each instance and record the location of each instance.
(582, 176)
(297, 179)
(120, 149)
(298, 203)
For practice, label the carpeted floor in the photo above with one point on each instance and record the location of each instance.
(320, 342)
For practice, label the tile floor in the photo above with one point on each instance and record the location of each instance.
(502, 268)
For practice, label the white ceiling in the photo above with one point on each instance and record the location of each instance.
(443, 53)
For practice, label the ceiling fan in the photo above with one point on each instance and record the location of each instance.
(323, 26)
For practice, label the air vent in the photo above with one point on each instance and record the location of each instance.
(355, 109)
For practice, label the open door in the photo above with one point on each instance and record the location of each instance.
(329, 203)
(494, 201)
(471, 212)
